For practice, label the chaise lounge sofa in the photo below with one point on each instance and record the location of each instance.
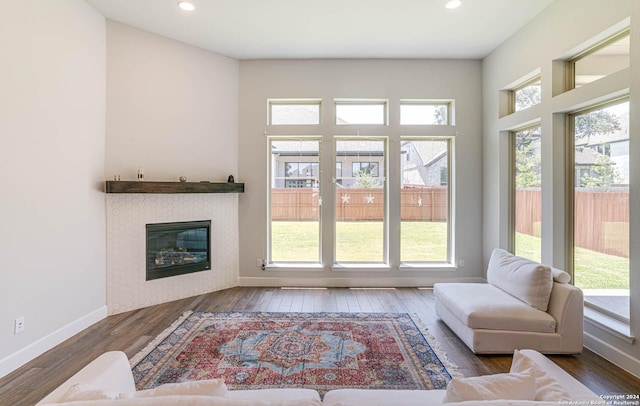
(524, 305)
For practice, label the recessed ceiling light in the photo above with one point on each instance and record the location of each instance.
(451, 4)
(186, 5)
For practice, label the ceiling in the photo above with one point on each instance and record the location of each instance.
(270, 29)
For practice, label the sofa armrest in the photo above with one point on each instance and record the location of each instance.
(566, 305)
(110, 370)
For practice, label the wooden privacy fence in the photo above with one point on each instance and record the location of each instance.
(354, 204)
(601, 218)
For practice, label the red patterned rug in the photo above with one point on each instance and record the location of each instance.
(319, 351)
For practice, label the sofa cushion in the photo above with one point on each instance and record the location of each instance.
(484, 306)
(547, 388)
(382, 397)
(512, 386)
(560, 276)
(526, 280)
(189, 401)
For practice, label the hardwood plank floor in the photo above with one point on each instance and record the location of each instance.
(129, 332)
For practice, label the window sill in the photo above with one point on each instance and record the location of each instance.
(361, 266)
(609, 324)
(427, 266)
(293, 266)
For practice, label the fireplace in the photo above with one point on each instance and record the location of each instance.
(178, 248)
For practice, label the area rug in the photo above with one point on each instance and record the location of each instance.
(321, 351)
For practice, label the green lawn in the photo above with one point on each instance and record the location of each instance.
(594, 270)
(426, 241)
(358, 241)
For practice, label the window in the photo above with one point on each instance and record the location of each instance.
(424, 201)
(361, 112)
(601, 207)
(527, 95)
(416, 112)
(603, 59)
(360, 200)
(527, 193)
(294, 200)
(292, 112)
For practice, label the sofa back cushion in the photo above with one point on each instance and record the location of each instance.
(522, 278)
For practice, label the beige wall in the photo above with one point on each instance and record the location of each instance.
(380, 79)
(559, 32)
(52, 118)
(172, 108)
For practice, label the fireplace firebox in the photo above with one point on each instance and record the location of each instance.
(178, 248)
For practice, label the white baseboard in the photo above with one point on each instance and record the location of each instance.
(612, 354)
(346, 282)
(39, 347)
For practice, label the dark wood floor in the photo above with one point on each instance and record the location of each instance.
(130, 331)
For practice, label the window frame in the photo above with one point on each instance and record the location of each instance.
(570, 196)
(512, 183)
(361, 102)
(514, 90)
(448, 103)
(450, 257)
(570, 70)
(293, 102)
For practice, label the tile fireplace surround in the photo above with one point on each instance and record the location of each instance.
(127, 216)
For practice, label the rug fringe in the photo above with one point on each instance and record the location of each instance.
(154, 343)
(451, 367)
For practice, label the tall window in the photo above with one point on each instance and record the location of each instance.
(424, 200)
(360, 199)
(527, 198)
(601, 207)
(294, 200)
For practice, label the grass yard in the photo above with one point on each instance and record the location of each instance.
(594, 270)
(358, 241)
(426, 241)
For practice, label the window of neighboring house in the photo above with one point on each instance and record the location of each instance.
(301, 174)
(526, 95)
(424, 200)
(417, 112)
(360, 112)
(609, 56)
(294, 112)
(294, 198)
(601, 209)
(365, 168)
(361, 200)
(527, 193)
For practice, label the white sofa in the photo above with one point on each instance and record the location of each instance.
(110, 376)
(523, 305)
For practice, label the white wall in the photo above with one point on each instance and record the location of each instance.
(387, 79)
(559, 32)
(52, 118)
(172, 109)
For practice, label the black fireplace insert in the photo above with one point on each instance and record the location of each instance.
(178, 248)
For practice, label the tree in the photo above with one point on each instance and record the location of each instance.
(603, 174)
(527, 97)
(364, 180)
(595, 122)
(528, 158)
(440, 115)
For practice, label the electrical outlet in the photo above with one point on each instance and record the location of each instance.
(461, 263)
(18, 326)
(259, 262)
